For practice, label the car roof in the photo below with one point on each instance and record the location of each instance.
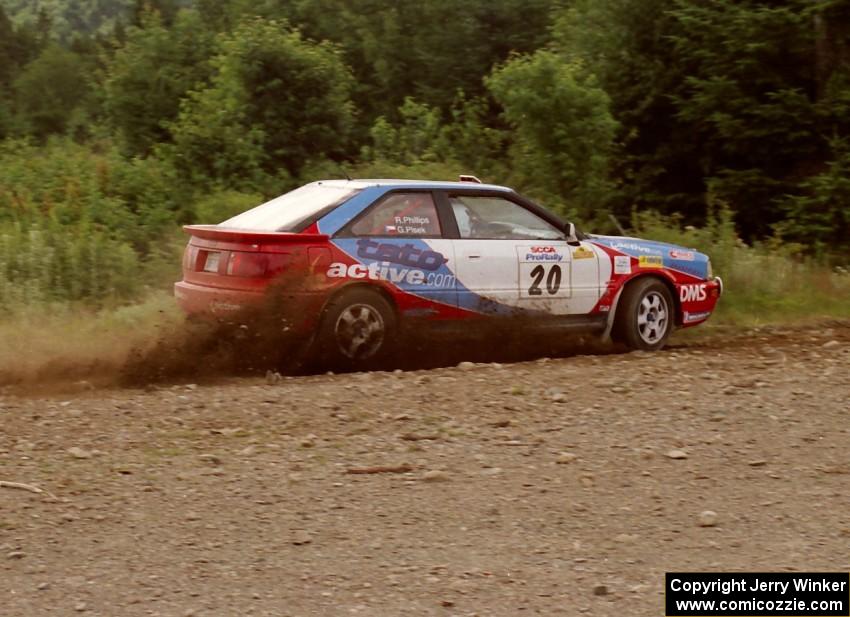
(412, 184)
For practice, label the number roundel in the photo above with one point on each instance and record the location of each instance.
(553, 280)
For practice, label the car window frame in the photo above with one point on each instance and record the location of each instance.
(444, 197)
(346, 230)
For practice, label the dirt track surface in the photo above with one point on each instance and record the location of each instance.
(549, 487)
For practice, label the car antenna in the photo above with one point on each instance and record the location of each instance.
(345, 172)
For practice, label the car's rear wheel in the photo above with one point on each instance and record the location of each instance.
(358, 330)
(645, 315)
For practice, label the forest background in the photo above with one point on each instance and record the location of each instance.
(719, 124)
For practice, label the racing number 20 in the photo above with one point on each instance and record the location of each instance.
(553, 280)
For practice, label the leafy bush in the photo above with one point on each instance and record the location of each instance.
(42, 264)
(564, 130)
(83, 223)
(763, 282)
(275, 101)
(222, 205)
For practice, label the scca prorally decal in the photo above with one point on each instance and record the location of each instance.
(692, 293)
(384, 271)
(543, 253)
(406, 255)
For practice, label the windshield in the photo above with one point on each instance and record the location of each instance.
(291, 211)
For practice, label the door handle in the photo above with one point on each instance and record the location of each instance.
(473, 256)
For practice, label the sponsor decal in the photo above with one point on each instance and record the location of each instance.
(219, 306)
(384, 271)
(583, 253)
(682, 255)
(622, 264)
(650, 261)
(604, 309)
(692, 317)
(692, 293)
(412, 225)
(406, 255)
(543, 253)
(632, 246)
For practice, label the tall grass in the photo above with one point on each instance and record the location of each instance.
(765, 282)
(82, 223)
(58, 342)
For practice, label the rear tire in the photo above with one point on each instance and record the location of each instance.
(645, 315)
(358, 330)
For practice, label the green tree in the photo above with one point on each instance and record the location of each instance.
(818, 215)
(422, 136)
(563, 129)
(416, 137)
(18, 46)
(275, 102)
(50, 90)
(68, 18)
(149, 75)
(627, 44)
(749, 99)
(424, 50)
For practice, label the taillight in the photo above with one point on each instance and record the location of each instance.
(257, 265)
(190, 257)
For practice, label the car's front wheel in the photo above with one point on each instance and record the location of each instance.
(358, 330)
(645, 315)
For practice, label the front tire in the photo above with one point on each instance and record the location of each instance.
(358, 330)
(645, 315)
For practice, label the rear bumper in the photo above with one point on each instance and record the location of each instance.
(204, 300)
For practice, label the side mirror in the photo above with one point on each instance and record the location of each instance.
(570, 231)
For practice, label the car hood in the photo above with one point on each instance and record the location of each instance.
(675, 257)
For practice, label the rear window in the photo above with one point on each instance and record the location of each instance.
(292, 211)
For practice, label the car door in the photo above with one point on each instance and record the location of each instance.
(512, 261)
(399, 241)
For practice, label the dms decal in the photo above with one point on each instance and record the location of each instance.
(583, 253)
(383, 271)
(692, 317)
(692, 293)
(650, 261)
(543, 253)
(682, 255)
(407, 255)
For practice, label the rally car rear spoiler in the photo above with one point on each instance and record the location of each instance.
(223, 234)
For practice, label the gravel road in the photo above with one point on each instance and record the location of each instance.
(550, 487)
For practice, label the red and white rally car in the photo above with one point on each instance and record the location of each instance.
(360, 259)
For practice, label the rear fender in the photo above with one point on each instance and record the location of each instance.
(379, 289)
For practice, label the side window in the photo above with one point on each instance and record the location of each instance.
(400, 214)
(485, 217)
